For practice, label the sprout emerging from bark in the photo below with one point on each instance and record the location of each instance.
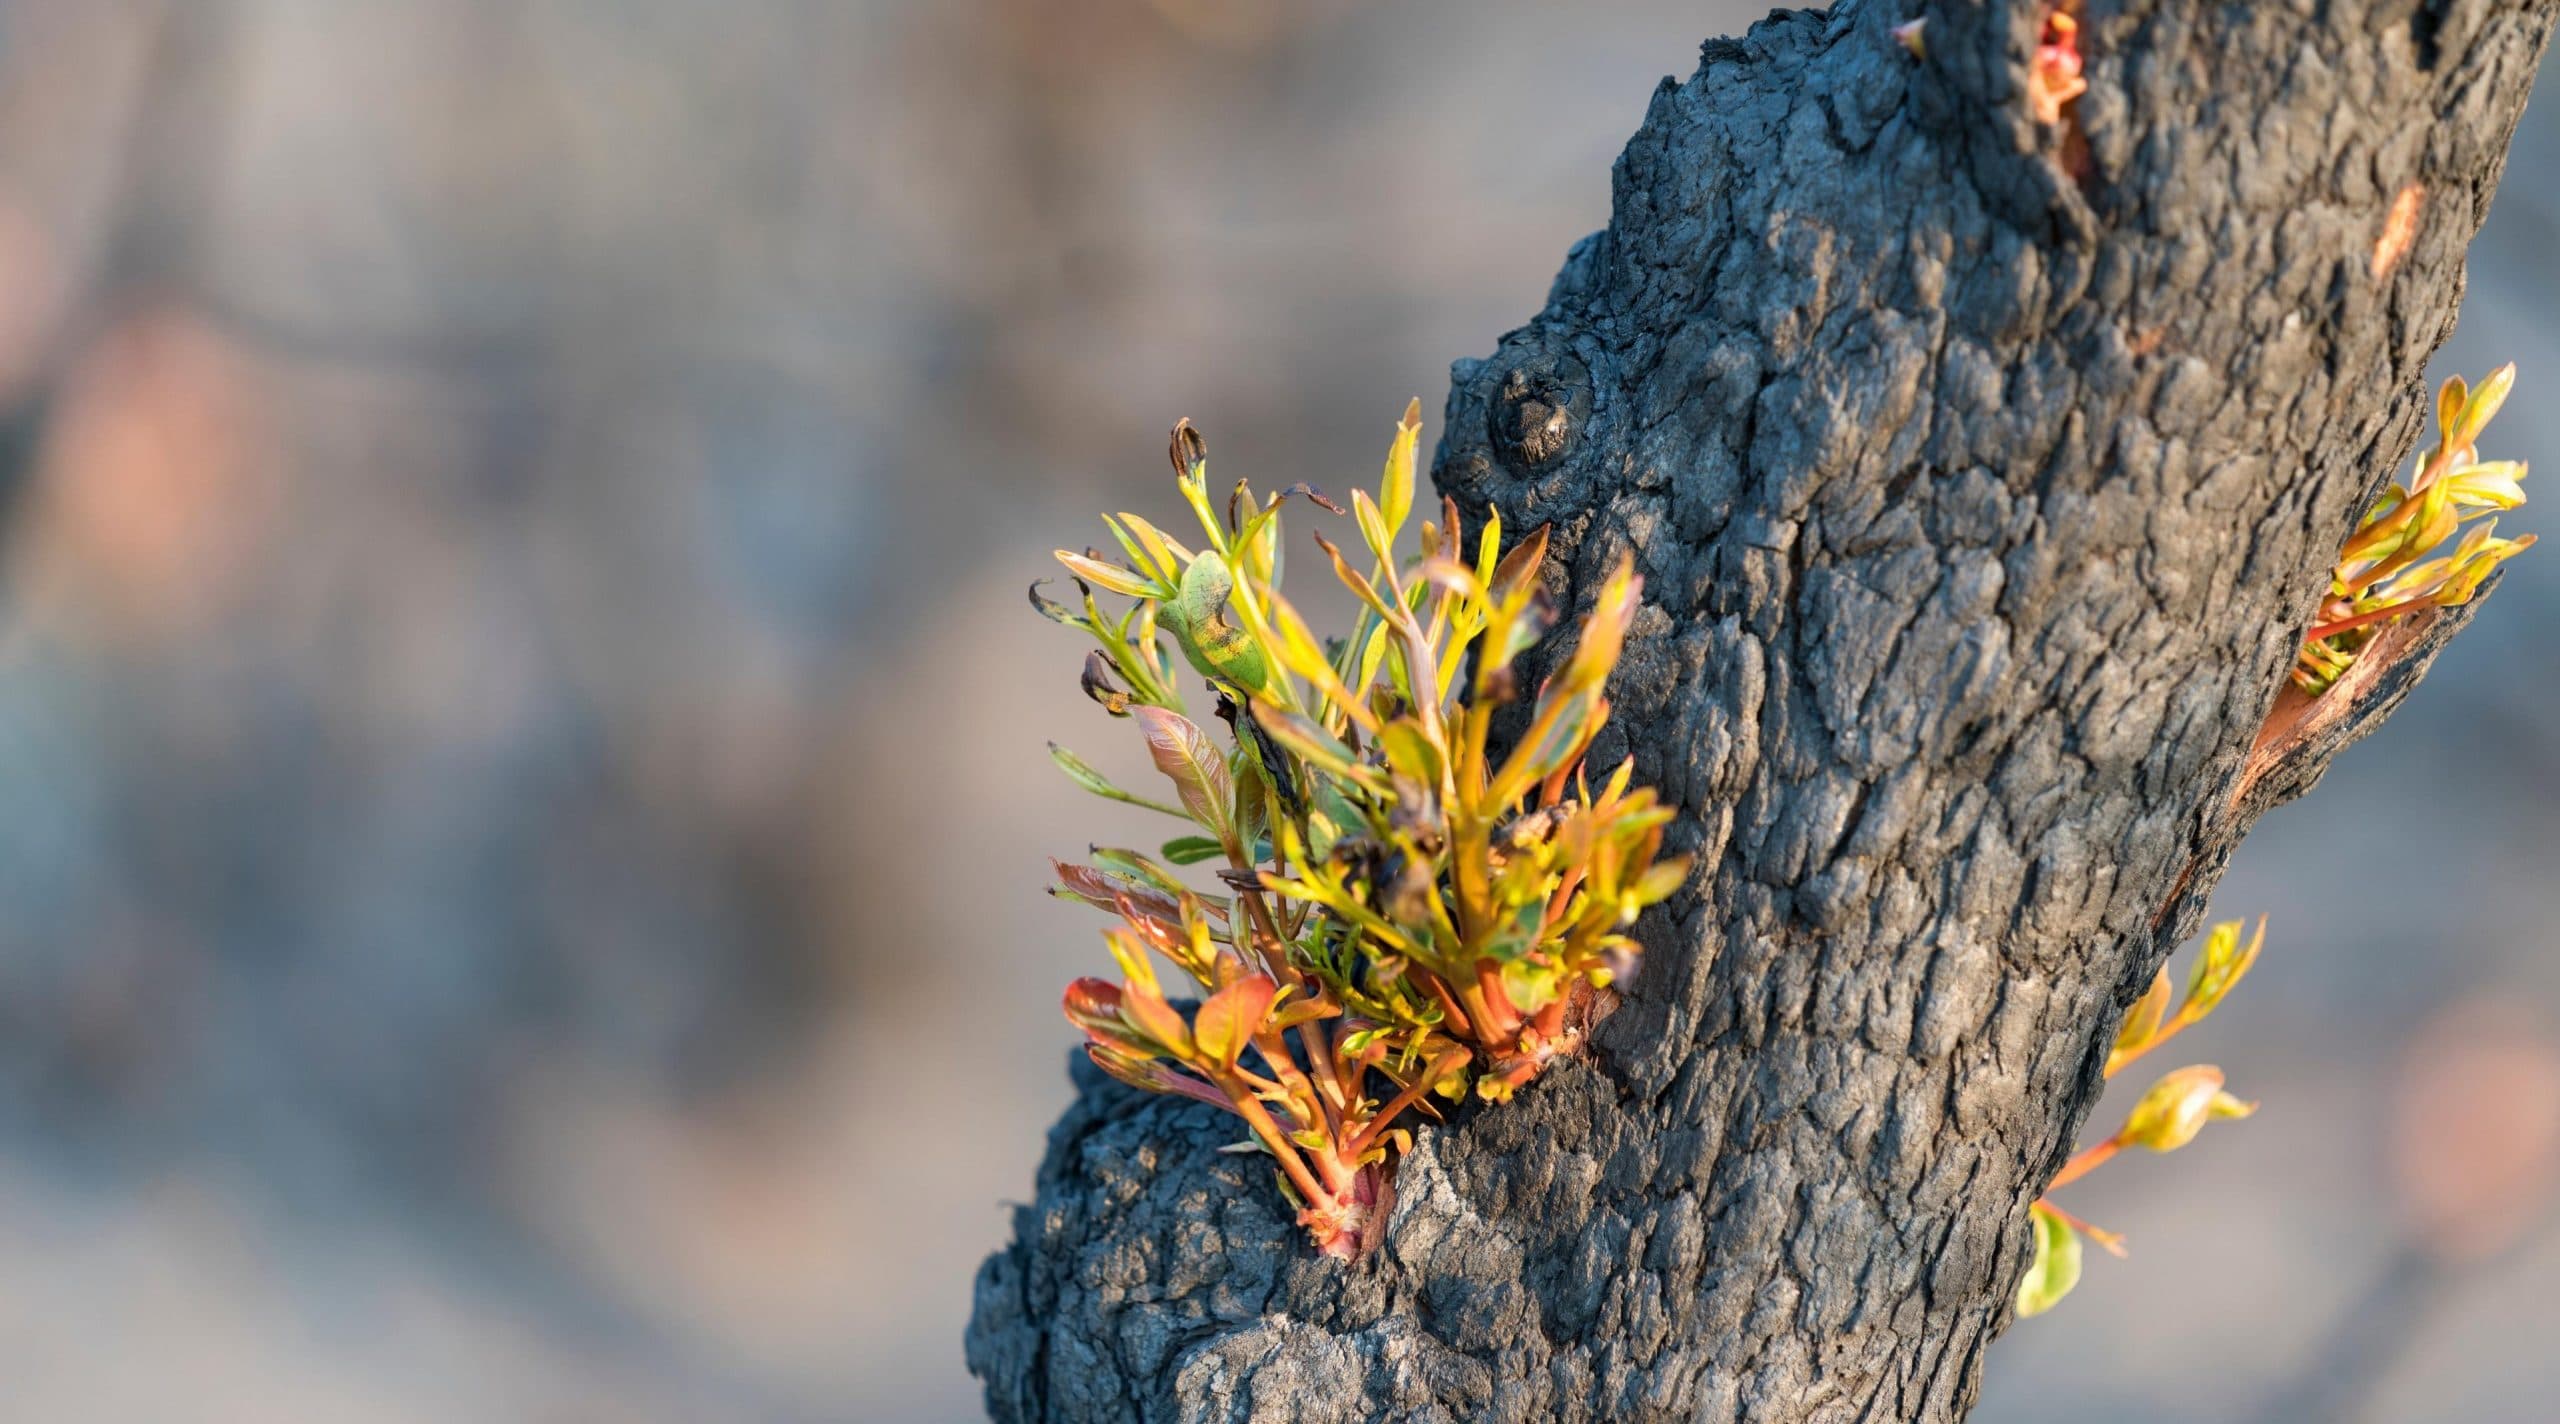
(2394, 563)
(1399, 913)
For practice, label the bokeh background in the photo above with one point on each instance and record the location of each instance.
(522, 788)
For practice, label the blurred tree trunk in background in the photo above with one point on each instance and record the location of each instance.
(1983, 470)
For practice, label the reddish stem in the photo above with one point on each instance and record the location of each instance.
(1500, 1021)
(2082, 1164)
(2349, 625)
(1441, 1067)
(1457, 1023)
(1251, 1110)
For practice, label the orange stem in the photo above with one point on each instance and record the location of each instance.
(2082, 1164)
(2349, 625)
(1251, 1110)
(1441, 1067)
(2111, 1242)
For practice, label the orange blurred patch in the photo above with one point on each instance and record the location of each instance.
(2476, 1127)
(150, 500)
(2399, 230)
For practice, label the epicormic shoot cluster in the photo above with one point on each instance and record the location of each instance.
(2385, 570)
(1398, 911)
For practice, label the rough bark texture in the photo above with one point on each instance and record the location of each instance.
(1979, 506)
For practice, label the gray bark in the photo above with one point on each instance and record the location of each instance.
(1980, 506)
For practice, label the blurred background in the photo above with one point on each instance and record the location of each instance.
(522, 792)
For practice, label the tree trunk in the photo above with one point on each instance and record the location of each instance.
(1983, 474)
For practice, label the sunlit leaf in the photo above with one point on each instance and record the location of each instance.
(2055, 1267)
(1228, 1019)
(2143, 1019)
(2177, 1107)
(1143, 1007)
(1395, 483)
(1110, 576)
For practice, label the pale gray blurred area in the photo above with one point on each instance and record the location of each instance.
(523, 798)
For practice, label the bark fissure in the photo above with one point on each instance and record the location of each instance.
(1980, 507)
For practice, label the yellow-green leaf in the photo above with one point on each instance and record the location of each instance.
(1083, 774)
(1395, 485)
(1110, 576)
(2177, 1107)
(2055, 1268)
(2143, 1019)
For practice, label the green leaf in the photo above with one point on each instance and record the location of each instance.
(1373, 528)
(1053, 610)
(1229, 1018)
(1409, 751)
(1215, 646)
(1191, 850)
(2056, 1267)
(1318, 747)
(1196, 768)
(1083, 774)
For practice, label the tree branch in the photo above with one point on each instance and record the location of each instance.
(1983, 474)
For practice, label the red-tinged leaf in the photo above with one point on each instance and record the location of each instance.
(1229, 1018)
(1093, 1005)
(1104, 891)
(1309, 493)
(1164, 936)
(1188, 448)
(1366, 591)
(1519, 568)
(1191, 762)
(1143, 1074)
(1456, 578)
(1145, 1010)
(1092, 1001)
(1153, 1077)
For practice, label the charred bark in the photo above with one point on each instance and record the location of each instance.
(1983, 473)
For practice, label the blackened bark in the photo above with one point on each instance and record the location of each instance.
(1983, 475)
